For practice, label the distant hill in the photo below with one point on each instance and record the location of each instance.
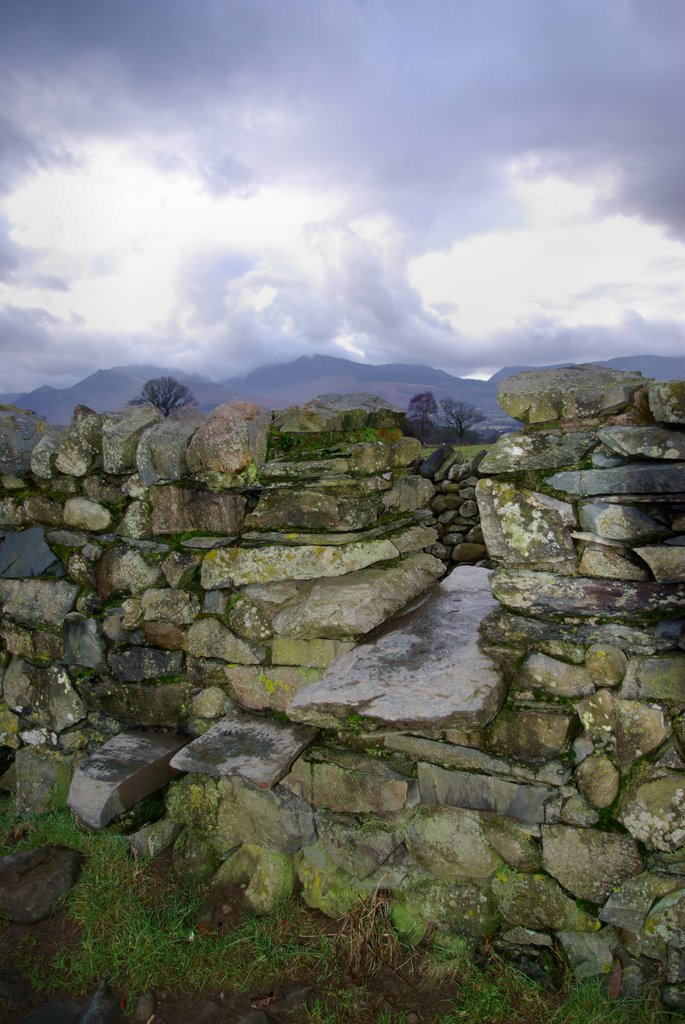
(107, 390)
(279, 385)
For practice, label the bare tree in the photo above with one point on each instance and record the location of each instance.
(459, 416)
(165, 393)
(421, 413)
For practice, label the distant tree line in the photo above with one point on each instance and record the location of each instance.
(426, 416)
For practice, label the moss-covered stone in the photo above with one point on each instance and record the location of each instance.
(269, 876)
(194, 857)
(193, 801)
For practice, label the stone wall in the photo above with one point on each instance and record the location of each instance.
(526, 787)
(157, 572)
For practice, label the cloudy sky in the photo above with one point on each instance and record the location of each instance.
(211, 185)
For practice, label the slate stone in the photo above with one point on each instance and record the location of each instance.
(620, 522)
(310, 509)
(33, 881)
(158, 704)
(629, 903)
(636, 478)
(339, 413)
(184, 509)
(37, 602)
(589, 955)
(486, 793)
(25, 554)
(124, 570)
(120, 774)
(521, 526)
(229, 567)
(133, 664)
(441, 459)
(504, 628)
(208, 638)
(589, 863)
(512, 453)
(634, 728)
(449, 842)
(575, 392)
(257, 749)
(661, 678)
(347, 782)
(343, 607)
(609, 563)
(648, 442)
(544, 594)
(44, 454)
(357, 848)
(540, 672)
(666, 919)
(426, 670)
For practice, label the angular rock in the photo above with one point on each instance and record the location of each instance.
(636, 478)
(350, 783)
(233, 435)
(44, 454)
(620, 522)
(667, 563)
(648, 442)
(450, 842)
(529, 735)
(427, 670)
(267, 688)
(537, 902)
(513, 452)
(310, 509)
(311, 653)
(558, 678)
(120, 774)
(81, 447)
(273, 818)
(517, 844)
(660, 678)
(25, 554)
(588, 863)
(237, 566)
(161, 451)
(20, 432)
(163, 704)
(83, 643)
(133, 664)
(339, 413)
(179, 568)
(439, 786)
(33, 881)
(184, 509)
(207, 638)
(269, 876)
(653, 811)
(629, 903)
(258, 750)
(124, 570)
(357, 848)
(589, 955)
(37, 602)
(609, 563)
(577, 392)
(461, 907)
(666, 919)
(121, 433)
(137, 521)
(635, 729)
(42, 780)
(347, 606)
(523, 526)
(170, 605)
(667, 400)
(544, 594)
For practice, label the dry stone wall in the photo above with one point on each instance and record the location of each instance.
(504, 755)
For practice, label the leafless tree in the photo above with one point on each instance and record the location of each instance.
(165, 393)
(421, 413)
(459, 416)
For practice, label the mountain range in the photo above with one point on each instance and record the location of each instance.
(295, 382)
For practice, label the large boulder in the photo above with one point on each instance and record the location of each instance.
(33, 881)
(233, 436)
(576, 392)
(20, 432)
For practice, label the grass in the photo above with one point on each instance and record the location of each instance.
(126, 922)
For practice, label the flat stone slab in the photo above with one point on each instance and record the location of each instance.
(32, 881)
(25, 554)
(120, 774)
(426, 669)
(259, 750)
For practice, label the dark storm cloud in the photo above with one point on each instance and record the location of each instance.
(415, 110)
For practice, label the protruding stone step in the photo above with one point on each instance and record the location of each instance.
(259, 750)
(426, 670)
(120, 774)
